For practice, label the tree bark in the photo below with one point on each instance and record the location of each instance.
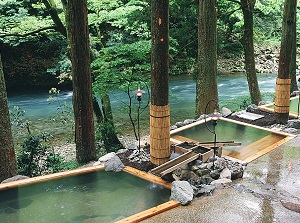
(247, 41)
(293, 63)
(159, 107)
(282, 98)
(206, 82)
(8, 163)
(81, 77)
(111, 141)
(160, 53)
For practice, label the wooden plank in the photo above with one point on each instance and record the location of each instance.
(266, 150)
(52, 176)
(149, 177)
(176, 166)
(182, 138)
(255, 147)
(150, 212)
(172, 162)
(220, 144)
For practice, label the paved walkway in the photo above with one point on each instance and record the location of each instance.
(270, 183)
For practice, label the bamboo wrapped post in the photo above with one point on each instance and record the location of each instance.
(159, 134)
(282, 97)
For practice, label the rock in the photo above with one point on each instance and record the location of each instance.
(179, 124)
(114, 164)
(225, 173)
(188, 121)
(221, 181)
(251, 108)
(268, 187)
(237, 172)
(132, 147)
(106, 157)
(290, 130)
(226, 112)
(242, 188)
(173, 127)
(206, 180)
(291, 206)
(215, 174)
(182, 192)
(294, 123)
(202, 172)
(201, 117)
(205, 189)
(15, 178)
(121, 151)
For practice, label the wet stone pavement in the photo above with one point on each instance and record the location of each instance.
(268, 192)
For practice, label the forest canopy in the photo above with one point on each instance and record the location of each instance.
(30, 25)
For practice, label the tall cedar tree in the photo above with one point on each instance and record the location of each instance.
(160, 137)
(286, 52)
(77, 25)
(8, 163)
(206, 82)
(247, 41)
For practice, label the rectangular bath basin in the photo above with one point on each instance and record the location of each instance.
(92, 196)
(255, 141)
(294, 107)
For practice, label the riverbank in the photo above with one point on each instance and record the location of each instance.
(266, 61)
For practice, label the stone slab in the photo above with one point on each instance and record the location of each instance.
(250, 116)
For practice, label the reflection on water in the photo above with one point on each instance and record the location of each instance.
(103, 196)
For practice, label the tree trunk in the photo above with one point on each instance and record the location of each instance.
(109, 136)
(159, 107)
(206, 83)
(283, 81)
(51, 8)
(81, 77)
(293, 64)
(247, 41)
(8, 163)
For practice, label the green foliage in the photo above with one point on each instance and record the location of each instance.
(243, 101)
(236, 104)
(30, 154)
(20, 17)
(118, 65)
(64, 113)
(232, 50)
(35, 157)
(103, 134)
(56, 163)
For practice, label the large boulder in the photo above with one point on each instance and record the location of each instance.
(114, 164)
(182, 192)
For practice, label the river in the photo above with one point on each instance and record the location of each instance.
(182, 98)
